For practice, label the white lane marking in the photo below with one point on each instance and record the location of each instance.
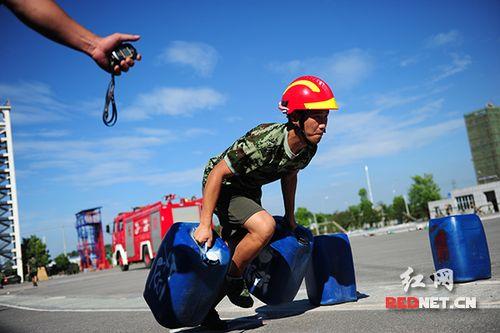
(56, 297)
(72, 310)
(353, 307)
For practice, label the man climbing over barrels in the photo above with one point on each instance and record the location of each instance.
(233, 180)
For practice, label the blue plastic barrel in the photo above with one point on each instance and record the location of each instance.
(274, 277)
(330, 278)
(185, 278)
(459, 243)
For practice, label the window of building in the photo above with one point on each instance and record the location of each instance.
(466, 202)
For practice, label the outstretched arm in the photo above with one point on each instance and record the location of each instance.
(47, 18)
(288, 188)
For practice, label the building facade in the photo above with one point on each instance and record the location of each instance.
(480, 199)
(483, 130)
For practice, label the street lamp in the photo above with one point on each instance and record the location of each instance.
(369, 185)
(406, 205)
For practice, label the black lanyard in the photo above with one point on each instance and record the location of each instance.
(110, 97)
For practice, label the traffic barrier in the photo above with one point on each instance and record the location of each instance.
(185, 278)
(274, 277)
(330, 278)
(458, 242)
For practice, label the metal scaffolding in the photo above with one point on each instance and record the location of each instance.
(91, 240)
(10, 239)
(483, 129)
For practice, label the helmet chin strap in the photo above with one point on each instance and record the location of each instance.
(282, 106)
(301, 131)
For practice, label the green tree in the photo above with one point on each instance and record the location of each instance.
(385, 211)
(363, 194)
(368, 214)
(33, 247)
(398, 208)
(345, 219)
(322, 217)
(7, 269)
(303, 216)
(423, 190)
(355, 213)
(62, 263)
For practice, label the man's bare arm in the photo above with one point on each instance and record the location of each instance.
(50, 20)
(288, 188)
(211, 194)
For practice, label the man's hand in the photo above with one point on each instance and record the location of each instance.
(50, 20)
(102, 48)
(204, 234)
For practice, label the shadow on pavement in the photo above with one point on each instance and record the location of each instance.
(361, 295)
(266, 312)
(237, 324)
(290, 309)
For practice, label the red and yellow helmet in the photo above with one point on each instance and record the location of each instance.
(307, 93)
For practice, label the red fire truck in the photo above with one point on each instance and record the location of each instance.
(137, 234)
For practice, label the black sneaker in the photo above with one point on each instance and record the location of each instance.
(213, 322)
(237, 291)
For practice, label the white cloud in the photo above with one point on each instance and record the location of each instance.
(421, 113)
(173, 102)
(43, 133)
(381, 140)
(200, 56)
(458, 64)
(188, 176)
(36, 103)
(195, 132)
(33, 102)
(394, 99)
(377, 133)
(99, 162)
(444, 38)
(345, 69)
(233, 119)
(405, 62)
(154, 131)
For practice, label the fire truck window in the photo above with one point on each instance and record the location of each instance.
(120, 226)
(186, 214)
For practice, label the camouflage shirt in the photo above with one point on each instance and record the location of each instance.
(260, 157)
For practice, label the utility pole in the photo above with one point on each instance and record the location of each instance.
(369, 185)
(64, 240)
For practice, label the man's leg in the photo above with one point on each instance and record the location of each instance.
(212, 320)
(260, 227)
(254, 233)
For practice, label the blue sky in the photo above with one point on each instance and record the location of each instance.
(403, 75)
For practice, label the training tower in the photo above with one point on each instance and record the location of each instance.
(90, 239)
(10, 240)
(483, 129)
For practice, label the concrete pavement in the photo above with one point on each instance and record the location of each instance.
(112, 300)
